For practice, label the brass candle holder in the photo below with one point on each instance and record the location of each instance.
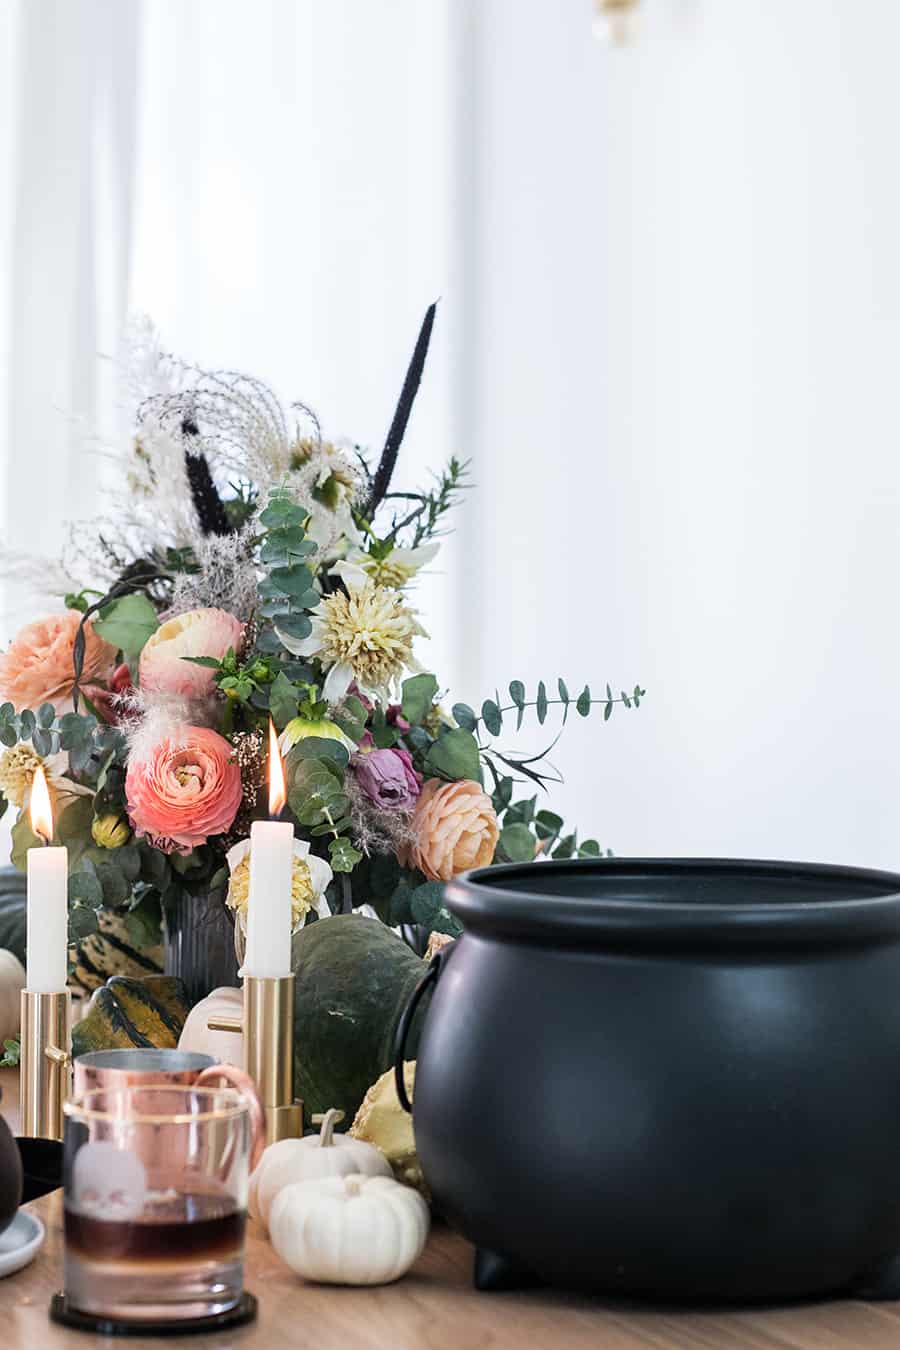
(268, 1029)
(45, 1064)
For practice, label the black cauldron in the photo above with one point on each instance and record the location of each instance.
(669, 1079)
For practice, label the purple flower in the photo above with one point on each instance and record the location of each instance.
(388, 779)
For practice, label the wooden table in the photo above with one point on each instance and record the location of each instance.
(435, 1308)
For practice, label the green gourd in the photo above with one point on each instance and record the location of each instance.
(354, 978)
(12, 911)
(126, 1013)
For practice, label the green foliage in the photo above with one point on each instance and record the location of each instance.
(351, 717)
(344, 856)
(454, 755)
(422, 902)
(127, 623)
(465, 716)
(287, 591)
(517, 843)
(11, 1053)
(417, 696)
(440, 499)
(283, 700)
(492, 712)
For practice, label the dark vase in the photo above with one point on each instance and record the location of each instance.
(199, 934)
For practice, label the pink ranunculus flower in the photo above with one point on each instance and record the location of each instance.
(185, 791)
(37, 667)
(199, 632)
(388, 779)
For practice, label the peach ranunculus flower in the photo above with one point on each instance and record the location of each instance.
(456, 828)
(37, 665)
(199, 632)
(186, 790)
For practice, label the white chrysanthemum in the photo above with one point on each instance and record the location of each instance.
(310, 878)
(395, 570)
(365, 635)
(18, 766)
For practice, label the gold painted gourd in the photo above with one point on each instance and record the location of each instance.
(126, 1013)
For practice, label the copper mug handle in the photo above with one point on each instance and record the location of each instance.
(244, 1084)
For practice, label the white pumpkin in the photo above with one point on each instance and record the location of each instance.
(12, 982)
(349, 1230)
(325, 1154)
(226, 1047)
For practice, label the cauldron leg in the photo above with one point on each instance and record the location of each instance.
(880, 1283)
(494, 1273)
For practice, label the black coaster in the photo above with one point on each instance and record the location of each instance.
(244, 1311)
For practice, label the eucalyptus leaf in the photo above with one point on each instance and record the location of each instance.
(320, 748)
(85, 889)
(517, 842)
(455, 756)
(82, 921)
(295, 625)
(42, 741)
(541, 703)
(417, 696)
(583, 702)
(344, 856)
(294, 581)
(293, 641)
(465, 716)
(445, 922)
(351, 717)
(283, 700)
(426, 902)
(127, 623)
(492, 716)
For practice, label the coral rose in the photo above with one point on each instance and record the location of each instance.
(37, 667)
(186, 790)
(455, 827)
(199, 632)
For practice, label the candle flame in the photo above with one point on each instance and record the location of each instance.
(277, 789)
(40, 810)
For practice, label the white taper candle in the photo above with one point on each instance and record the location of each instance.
(47, 916)
(268, 954)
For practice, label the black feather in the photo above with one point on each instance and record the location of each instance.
(211, 514)
(387, 463)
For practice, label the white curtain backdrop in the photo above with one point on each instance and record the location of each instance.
(670, 298)
(70, 120)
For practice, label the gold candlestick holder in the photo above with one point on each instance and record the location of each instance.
(45, 1064)
(268, 1029)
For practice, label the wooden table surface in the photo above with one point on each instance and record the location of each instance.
(435, 1308)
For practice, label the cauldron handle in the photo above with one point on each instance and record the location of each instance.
(403, 1028)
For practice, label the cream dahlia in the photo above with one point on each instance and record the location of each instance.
(364, 635)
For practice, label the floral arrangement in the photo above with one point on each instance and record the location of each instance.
(247, 570)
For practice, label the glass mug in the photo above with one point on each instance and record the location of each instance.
(155, 1200)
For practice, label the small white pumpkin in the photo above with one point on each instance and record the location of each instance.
(325, 1154)
(227, 1047)
(12, 982)
(349, 1230)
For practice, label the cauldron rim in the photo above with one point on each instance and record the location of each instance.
(839, 905)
